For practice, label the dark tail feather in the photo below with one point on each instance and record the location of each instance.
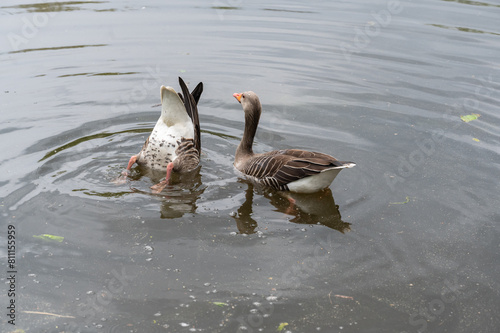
(192, 110)
(186, 99)
(197, 92)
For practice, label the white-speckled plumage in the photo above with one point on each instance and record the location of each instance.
(173, 125)
(175, 142)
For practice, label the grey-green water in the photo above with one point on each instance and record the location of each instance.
(407, 241)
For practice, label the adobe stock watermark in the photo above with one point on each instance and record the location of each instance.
(426, 147)
(96, 302)
(363, 37)
(291, 279)
(130, 100)
(30, 26)
(221, 7)
(429, 313)
(273, 124)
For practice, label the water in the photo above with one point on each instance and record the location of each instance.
(407, 241)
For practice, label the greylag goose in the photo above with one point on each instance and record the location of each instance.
(174, 144)
(292, 170)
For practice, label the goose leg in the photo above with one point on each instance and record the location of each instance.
(123, 178)
(161, 185)
(131, 162)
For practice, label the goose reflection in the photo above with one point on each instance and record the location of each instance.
(179, 197)
(315, 208)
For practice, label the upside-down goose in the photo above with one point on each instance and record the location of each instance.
(285, 170)
(174, 144)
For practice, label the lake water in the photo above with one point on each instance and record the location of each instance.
(407, 241)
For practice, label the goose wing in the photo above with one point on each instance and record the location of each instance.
(281, 167)
(188, 157)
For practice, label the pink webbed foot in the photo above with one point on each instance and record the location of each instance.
(291, 208)
(123, 178)
(161, 185)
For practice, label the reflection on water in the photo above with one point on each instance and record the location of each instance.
(99, 74)
(56, 48)
(315, 208)
(89, 138)
(288, 10)
(473, 3)
(463, 29)
(179, 197)
(55, 6)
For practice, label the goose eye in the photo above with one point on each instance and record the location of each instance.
(242, 96)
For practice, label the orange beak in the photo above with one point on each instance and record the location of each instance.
(237, 96)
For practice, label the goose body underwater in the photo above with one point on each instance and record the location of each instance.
(174, 145)
(292, 170)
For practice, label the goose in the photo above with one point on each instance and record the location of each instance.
(292, 170)
(174, 144)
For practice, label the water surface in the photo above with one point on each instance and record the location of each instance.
(407, 241)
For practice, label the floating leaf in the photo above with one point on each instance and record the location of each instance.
(221, 304)
(476, 139)
(182, 70)
(282, 326)
(470, 117)
(400, 203)
(49, 237)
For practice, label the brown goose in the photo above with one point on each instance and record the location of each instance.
(285, 170)
(175, 143)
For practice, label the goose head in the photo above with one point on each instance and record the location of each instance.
(250, 102)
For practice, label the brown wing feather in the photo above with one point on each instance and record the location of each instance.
(188, 156)
(308, 154)
(281, 167)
